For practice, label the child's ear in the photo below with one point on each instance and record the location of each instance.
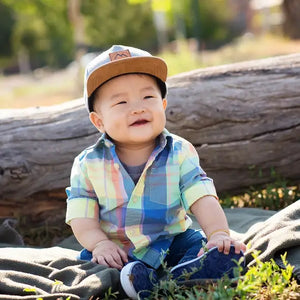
(165, 102)
(96, 119)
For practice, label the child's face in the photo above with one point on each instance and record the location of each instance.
(130, 109)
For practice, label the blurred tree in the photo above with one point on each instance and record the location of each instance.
(6, 28)
(59, 32)
(291, 11)
(159, 10)
(42, 34)
(111, 22)
(7, 23)
(208, 21)
(205, 20)
(48, 32)
(76, 19)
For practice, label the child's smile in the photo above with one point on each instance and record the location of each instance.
(140, 122)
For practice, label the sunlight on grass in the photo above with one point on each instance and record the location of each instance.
(264, 280)
(21, 91)
(247, 47)
(276, 195)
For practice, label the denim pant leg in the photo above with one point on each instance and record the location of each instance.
(184, 247)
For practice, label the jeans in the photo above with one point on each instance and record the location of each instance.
(184, 247)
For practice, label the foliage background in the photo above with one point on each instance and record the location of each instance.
(43, 29)
(49, 42)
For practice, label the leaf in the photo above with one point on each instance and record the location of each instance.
(57, 282)
(29, 290)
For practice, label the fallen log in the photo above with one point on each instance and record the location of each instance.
(244, 120)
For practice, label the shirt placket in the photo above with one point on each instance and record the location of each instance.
(135, 231)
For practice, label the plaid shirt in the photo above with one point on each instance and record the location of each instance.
(143, 218)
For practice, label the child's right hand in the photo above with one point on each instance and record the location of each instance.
(109, 254)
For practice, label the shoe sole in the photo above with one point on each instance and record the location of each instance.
(143, 281)
(126, 281)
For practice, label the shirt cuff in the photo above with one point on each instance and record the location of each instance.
(197, 191)
(81, 208)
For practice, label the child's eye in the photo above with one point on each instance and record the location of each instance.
(121, 102)
(148, 97)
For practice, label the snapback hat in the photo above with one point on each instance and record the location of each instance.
(121, 60)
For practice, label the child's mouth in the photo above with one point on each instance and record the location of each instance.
(139, 122)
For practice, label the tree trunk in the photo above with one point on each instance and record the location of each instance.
(244, 120)
(291, 24)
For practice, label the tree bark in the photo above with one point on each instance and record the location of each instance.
(243, 119)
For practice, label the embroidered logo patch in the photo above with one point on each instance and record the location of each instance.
(119, 55)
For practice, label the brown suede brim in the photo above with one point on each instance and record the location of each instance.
(151, 65)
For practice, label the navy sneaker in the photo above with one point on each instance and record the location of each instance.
(136, 279)
(211, 265)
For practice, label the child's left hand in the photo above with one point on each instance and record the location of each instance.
(223, 242)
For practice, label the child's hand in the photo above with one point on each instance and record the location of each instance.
(223, 242)
(109, 254)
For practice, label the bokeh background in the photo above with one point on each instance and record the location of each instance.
(45, 44)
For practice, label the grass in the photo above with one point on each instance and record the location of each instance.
(41, 88)
(262, 281)
(247, 47)
(276, 195)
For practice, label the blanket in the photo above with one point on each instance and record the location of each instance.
(55, 273)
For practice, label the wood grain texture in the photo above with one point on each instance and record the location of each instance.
(243, 119)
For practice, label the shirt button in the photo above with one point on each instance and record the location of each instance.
(116, 165)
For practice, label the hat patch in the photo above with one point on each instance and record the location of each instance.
(119, 55)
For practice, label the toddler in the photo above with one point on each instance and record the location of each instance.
(131, 192)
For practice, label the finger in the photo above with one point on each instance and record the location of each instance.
(208, 246)
(226, 245)
(201, 252)
(101, 261)
(111, 261)
(237, 247)
(220, 246)
(123, 255)
(243, 247)
(117, 258)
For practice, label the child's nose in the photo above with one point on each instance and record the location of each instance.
(137, 109)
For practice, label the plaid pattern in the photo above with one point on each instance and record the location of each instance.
(143, 218)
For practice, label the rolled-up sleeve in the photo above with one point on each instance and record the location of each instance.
(82, 201)
(194, 184)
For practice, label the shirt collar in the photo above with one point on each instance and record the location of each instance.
(104, 141)
(164, 138)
